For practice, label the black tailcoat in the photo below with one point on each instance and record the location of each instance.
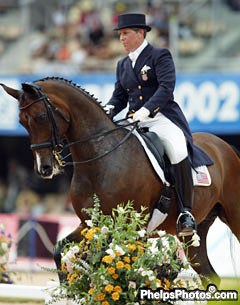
(151, 84)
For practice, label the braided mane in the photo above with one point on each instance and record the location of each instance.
(74, 85)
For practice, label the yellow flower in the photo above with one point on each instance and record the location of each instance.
(84, 231)
(126, 259)
(134, 258)
(109, 288)
(111, 270)
(71, 278)
(99, 297)
(166, 284)
(127, 266)
(131, 247)
(81, 242)
(107, 259)
(118, 289)
(115, 276)
(115, 296)
(63, 267)
(89, 235)
(140, 249)
(159, 283)
(119, 265)
(105, 302)
(91, 291)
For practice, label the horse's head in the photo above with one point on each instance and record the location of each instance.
(46, 125)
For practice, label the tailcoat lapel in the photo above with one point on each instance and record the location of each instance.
(130, 71)
(141, 60)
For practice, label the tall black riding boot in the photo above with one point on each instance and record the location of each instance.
(182, 172)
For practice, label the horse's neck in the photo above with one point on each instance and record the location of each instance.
(87, 119)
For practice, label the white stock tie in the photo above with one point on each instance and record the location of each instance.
(133, 58)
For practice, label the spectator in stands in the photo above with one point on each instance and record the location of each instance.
(39, 42)
(17, 180)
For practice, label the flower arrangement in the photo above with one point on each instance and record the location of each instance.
(116, 257)
(5, 245)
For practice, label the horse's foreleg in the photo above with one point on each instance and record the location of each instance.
(199, 257)
(58, 249)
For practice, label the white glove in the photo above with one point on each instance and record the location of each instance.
(141, 115)
(108, 108)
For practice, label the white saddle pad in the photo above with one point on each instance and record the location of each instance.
(201, 176)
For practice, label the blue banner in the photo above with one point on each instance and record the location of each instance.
(210, 101)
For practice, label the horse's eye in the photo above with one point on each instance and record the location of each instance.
(42, 118)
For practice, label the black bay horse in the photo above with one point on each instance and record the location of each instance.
(110, 162)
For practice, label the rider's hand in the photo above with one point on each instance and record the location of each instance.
(108, 108)
(141, 115)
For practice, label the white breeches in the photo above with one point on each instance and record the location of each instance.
(171, 136)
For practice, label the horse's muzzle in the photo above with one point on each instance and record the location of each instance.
(46, 171)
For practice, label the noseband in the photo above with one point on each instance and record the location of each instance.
(55, 142)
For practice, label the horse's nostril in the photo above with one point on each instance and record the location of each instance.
(46, 170)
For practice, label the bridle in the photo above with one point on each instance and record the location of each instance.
(56, 143)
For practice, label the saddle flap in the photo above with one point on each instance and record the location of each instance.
(154, 144)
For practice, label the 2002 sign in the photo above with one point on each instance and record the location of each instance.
(209, 102)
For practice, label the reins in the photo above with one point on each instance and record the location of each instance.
(96, 136)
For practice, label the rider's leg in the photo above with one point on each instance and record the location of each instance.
(175, 147)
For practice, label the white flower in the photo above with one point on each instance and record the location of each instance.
(102, 277)
(132, 284)
(165, 243)
(152, 278)
(70, 254)
(147, 273)
(195, 240)
(140, 270)
(89, 223)
(111, 253)
(161, 233)
(4, 246)
(104, 230)
(75, 249)
(142, 233)
(144, 273)
(119, 250)
(153, 248)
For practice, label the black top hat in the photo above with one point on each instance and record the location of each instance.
(132, 21)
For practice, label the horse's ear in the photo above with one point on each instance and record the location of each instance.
(28, 88)
(13, 92)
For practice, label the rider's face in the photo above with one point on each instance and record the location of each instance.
(131, 39)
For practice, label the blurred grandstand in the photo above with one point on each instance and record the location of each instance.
(70, 36)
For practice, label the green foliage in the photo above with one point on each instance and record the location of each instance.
(116, 257)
